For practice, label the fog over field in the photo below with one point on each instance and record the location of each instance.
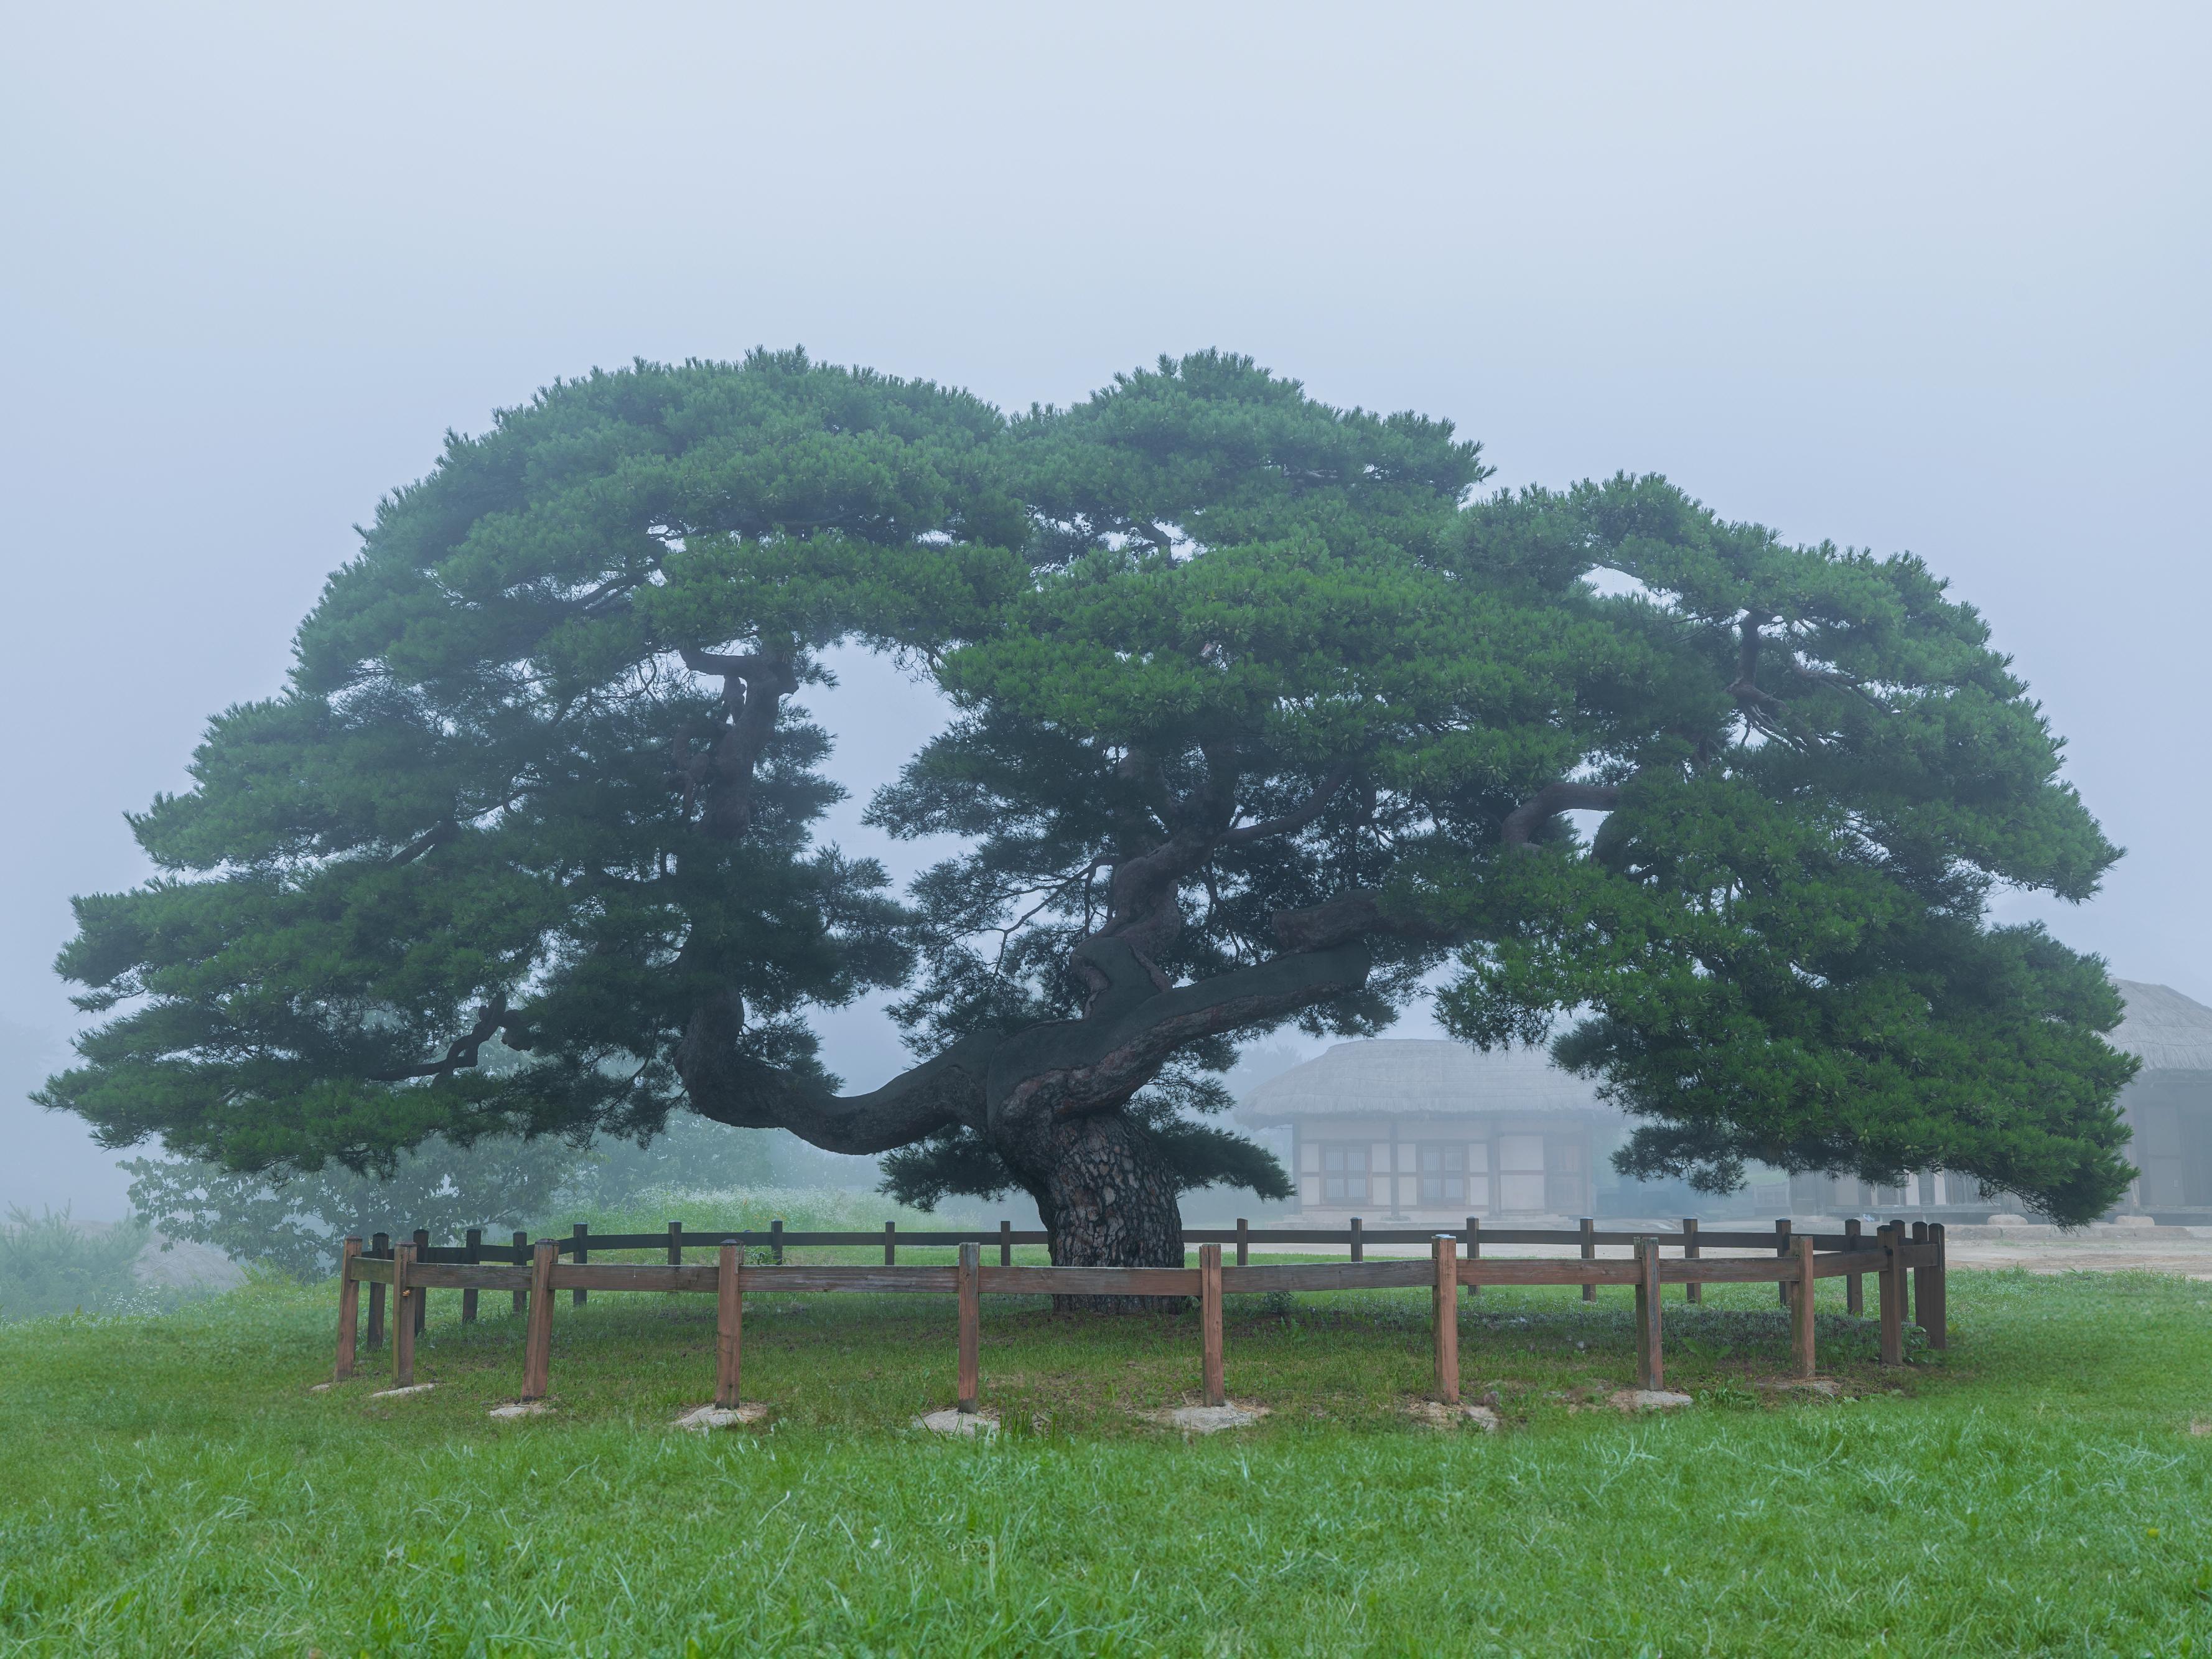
(1902, 278)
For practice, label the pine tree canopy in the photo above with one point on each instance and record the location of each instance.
(1263, 712)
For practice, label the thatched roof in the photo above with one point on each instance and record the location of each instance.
(2168, 1032)
(1402, 1075)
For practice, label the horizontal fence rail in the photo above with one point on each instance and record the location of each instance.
(1136, 1281)
(776, 1238)
(1908, 1268)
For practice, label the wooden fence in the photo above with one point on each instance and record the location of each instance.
(1907, 1265)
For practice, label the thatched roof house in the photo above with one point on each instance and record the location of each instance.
(2164, 1029)
(1437, 1131)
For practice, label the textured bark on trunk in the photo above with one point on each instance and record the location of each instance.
(1108, 1201)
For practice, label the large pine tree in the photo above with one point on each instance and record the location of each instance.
(1263, 714)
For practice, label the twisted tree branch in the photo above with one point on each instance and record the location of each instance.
(753, 688)
(435, 837)
(462, 1052)
(1524, 821)
(1297, 817)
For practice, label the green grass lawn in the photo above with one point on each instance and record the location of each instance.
(170, 1486)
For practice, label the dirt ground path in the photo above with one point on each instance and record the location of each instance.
(2038, 1249)
(2184, 1250)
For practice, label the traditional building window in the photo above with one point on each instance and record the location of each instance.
(1343, 1172)
(1521, 1174)
(1562, 1190)
(1444, 1172)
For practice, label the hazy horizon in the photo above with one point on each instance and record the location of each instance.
(1900, 279)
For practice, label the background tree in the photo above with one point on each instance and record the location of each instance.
(1261, 718)
(52, 1264)
(292, 1220)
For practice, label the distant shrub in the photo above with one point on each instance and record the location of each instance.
(50, 1264)
(294, 1222)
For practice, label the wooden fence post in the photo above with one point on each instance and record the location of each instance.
(537, 1343)
(1890, 1283)
(675, 1248)
(1446, 1318)
(472, 1240)
(1243, 1242)
(1782, 1249)
(422, 1303)
(1590, 1254)
(1854, 1284)
(1209, 1324)
(1923, 1278)
(1650, 1365)
(405, 1298)
(1802, 1309)
(1904, 1279)
(380, 1246)
(970, 1277)
(1358, 1253)
(1006, 1242)
(729, 1321)
(522, 1260)
(891, 1244)
(1934, 1314)
(349, 1308)
(1693, 1291)
(775, 1241)
(1474, 1250)
(583, 1237)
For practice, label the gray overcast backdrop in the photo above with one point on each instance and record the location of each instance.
(1925, 278)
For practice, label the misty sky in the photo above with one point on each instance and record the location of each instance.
(1912, 277)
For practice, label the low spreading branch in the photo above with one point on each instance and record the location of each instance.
(462, 1052)
(1522, 823)
(1357, 915)
(1841, 682)
(724, 667)
(1297, 817)
(435, 837)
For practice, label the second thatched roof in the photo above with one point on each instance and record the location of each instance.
(1413, 1076)
(2168, 1032)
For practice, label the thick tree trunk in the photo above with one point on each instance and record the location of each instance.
(1048, 1098)
(1107, 1201)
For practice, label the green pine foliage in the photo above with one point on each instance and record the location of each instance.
(1778, 936)
(1266, 691)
